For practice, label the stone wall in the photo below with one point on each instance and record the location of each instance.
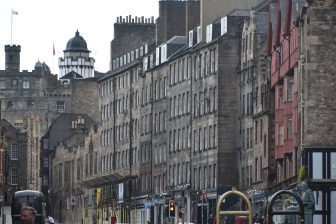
(84, 98)
(318, 74)
(130, 34)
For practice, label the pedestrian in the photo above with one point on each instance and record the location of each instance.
(51, 220)
(28, 215)
(210, 220)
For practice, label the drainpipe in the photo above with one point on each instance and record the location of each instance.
(191, 111)
(303, 76)
(130, 155)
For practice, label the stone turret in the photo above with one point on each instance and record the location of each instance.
(76, 58)
(12, 57)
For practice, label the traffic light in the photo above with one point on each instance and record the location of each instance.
(171, 208)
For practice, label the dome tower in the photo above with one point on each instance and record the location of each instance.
(76, 58)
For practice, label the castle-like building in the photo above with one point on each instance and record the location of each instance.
(30, 102)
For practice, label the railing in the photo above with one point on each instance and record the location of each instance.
(285, 184)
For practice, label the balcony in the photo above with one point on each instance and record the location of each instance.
(288, 183)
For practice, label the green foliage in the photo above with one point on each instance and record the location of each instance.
(301, 174)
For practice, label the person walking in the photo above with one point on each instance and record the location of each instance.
(51, 220)
(28, 215)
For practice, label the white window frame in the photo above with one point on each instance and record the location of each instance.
(25, 84)
(15, 152)
(14, 176)
(59, 106)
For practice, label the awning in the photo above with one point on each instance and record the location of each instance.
(105, 179)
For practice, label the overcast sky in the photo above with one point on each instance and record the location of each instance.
(42, 23)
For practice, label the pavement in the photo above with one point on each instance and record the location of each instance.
(6, 215)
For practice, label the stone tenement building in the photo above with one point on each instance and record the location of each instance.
(38, 96)
(169, 118)
(284, 71)
(71, 153)
(20, 156)
(300, 47)
(165, 132)
(255, 122)
(129, 34)
(315, 83)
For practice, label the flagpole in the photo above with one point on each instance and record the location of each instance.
(53, 71)
(15, 13)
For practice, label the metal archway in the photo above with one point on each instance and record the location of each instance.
(271, 213)
(247, 212)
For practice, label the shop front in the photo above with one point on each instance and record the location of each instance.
(320, 170)
(204, 204)
(141, 209)
(104, 200)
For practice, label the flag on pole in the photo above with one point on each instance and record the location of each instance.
(54, 49)
(15, 12)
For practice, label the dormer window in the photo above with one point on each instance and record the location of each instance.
(66, 82)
